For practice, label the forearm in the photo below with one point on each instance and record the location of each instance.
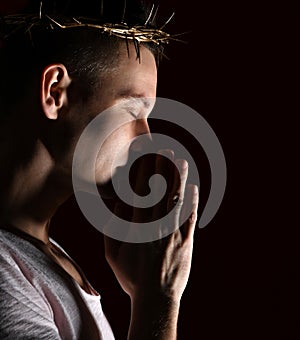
(153, 318)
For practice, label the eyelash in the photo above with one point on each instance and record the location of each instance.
(133, 115)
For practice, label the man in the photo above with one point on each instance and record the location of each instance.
(56, 81)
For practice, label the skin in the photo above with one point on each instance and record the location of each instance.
(36, 180)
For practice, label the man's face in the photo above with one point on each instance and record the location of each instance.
(125, 89)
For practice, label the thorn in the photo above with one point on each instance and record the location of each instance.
(137, 49)
(149, 16)
(41, 6)
(55, 22)
(164, 55)
(178, 34)
(127, 46)
(30, 35)
(178, 40)
(166, 23)
(124, 12)
(155, 14)
(12, 32)
(77, 21)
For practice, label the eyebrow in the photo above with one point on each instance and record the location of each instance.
(127, 94)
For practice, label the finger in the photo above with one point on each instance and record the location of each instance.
(179, 181)
(176, 197)
(178, 175)
(163, 168)
(189, 211)
(147, 168)
(144, 170)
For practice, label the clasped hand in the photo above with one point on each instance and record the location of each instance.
(161, 267)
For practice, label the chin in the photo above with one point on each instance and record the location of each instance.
(107, 190)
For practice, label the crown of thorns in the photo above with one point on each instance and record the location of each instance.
(137, 33)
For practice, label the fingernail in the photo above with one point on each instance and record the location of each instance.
(166, 152)
(182, 164)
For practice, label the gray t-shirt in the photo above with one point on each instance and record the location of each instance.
(39, 300)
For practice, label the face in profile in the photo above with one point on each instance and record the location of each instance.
(123, 104)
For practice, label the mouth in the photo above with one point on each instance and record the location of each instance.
(107, 190)
(123, 172)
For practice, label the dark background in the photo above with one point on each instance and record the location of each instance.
(245, 276)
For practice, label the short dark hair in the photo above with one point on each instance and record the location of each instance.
(86, 52)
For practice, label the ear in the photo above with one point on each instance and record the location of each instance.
(54, 84)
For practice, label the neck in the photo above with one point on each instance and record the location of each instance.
(31, 189)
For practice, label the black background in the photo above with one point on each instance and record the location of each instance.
(245, 274)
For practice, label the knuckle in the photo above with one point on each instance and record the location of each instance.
(193, 217)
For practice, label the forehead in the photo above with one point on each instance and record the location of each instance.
(134, 77)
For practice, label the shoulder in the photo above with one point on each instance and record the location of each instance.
(12, 250)
(21, 304)
(8, 251)
(13, 267)
(20, 262)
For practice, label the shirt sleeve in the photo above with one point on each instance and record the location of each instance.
(24, 313)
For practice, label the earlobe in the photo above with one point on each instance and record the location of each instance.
(54, 84)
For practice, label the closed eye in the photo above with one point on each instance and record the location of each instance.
(133, 115)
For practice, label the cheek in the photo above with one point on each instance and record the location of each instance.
(116, 146)
(121, 137)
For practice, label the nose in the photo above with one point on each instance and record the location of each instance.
(142, 127)
(143, 136)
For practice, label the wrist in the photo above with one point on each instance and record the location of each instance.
(156, 303)
(153, 316)
(155, 298)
